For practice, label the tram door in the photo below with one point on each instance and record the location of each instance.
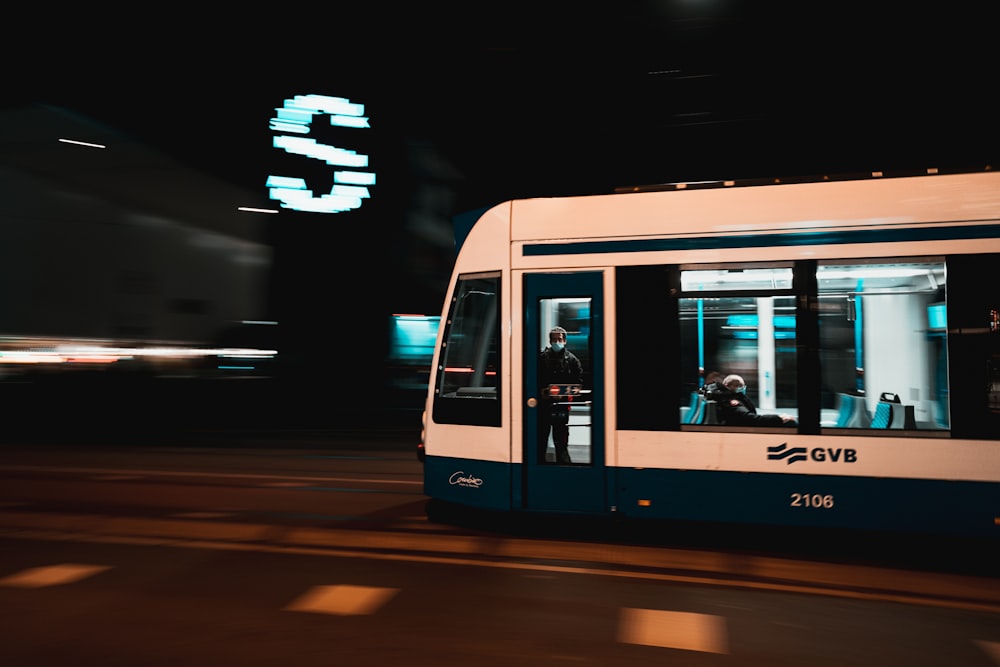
(573, 301)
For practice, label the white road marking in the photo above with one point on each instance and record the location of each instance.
(343, 600)
(331, 547)
(673, 629)
(52, 575)
(991, 649)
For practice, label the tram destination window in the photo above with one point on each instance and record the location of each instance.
(467, 381)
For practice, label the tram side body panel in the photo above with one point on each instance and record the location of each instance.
(470, 464)
(753, 210)
(837, 479)
(787, 499)
(893, 483)
(917, 484)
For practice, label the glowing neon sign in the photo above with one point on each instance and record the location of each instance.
(350, 186)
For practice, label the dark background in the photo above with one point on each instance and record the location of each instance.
(471, 105)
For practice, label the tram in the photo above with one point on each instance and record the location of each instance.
(866, 307)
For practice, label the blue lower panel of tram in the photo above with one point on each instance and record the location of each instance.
(866, 503)
(905, 505)
(481, 484)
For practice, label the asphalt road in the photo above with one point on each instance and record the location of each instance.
(320, 551)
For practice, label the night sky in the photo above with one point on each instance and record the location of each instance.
(544, 98)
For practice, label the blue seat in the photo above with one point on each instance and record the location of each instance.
(891, 413)
(883, 415)
(693, 413)
(701, 411)
(852, 412)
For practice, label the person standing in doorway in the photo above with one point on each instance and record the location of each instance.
(556, 366)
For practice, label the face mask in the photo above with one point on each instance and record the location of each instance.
(741, 390)
(558, 347)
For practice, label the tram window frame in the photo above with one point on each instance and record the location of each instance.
(925, 408)
(780, 284)
(470, 349)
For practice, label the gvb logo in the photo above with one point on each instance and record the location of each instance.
(792, 455)
(783, 451)
(351, 177)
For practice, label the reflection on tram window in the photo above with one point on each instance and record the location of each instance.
(738, 320)
(466, 391)
(469, 362)
(753, 337)
(883, 330)
(883, 339)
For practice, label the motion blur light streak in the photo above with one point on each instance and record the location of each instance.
(82, 143)
(76, 353)
(251, 209)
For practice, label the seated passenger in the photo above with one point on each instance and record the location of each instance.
(736, 409)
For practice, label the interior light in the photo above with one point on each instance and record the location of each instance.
(869, 272)
(251, 209)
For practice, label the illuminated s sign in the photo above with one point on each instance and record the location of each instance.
(350, 177)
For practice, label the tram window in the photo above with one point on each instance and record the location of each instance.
(883, 331)
(752, 335)
(467, 381)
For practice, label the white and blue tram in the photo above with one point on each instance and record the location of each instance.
(869, 308)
